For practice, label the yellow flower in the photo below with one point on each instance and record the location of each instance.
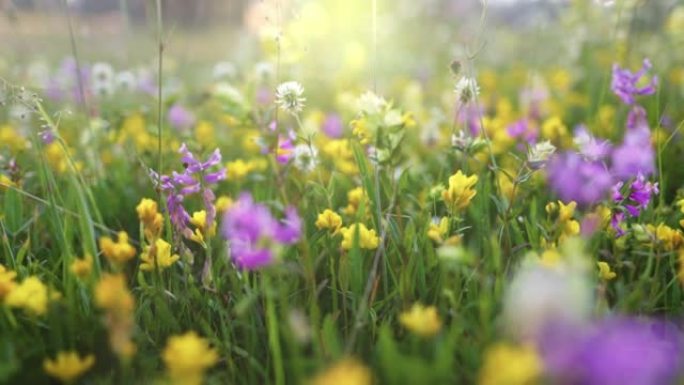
(354, 199)
(31, 295)
(82, 267)
(204, 133)
(199, 220)
(186, 358)
(604, 271)
(7, 283)
(361, 131)
(565, 212)
(147, 210)
(421, 320)
(237, 169)
(159, 256)
(367, 239)
(550, 258)
(506, 364)
(113, 296)
(460, 191)
(5, 182)
(150, 217)
(223, 203)
(554, 129)
(111, 293)
(329, 219)
(55, 156)
(10, 137)
(437, 231)
(670, 238)
(67, 367)
(117, 252)
(348, 371)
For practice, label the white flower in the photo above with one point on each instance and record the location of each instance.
(125, 81)
(305, 157)
(370, 103)
(289, 97)
(229, 93)
(466, 89)
(539, 154)
(263, 71)
(102, 79)
(224, 69)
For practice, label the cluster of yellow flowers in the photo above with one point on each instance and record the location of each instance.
(238, 169)
(332, 221)
(367, 239)
(68, 366)
(421, 320)
(565, 224)
(348, 371)
(31, 295)
(460, 191)
(119, 252)
(507, 364)
(157, 252)
(202, 229)
(187, 357)
(112, 296)
(355, 198)
(151, 219)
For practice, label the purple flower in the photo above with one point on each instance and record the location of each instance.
(576, 179)
(180, 117)
(589, 147)
(637, 198)
(523, 129)
(619, 351)
(285, 151)
(253, 232)
(635, 155)
(624, 83)
(195, 178)
(332, 126)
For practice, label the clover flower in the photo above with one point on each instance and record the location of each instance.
(289, 97)
(305, 157)
(253, 232)
(624, 83)
(466, 89)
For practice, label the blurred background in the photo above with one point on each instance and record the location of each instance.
(332, 42)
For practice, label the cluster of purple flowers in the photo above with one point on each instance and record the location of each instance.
(587, 175)
(195, 178)
(614, 351)
(631, 203)
(254, 233)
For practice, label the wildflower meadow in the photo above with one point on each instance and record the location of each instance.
(342, 192)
